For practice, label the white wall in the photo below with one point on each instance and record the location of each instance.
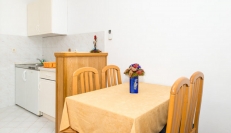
(13, 17)
(169, 39)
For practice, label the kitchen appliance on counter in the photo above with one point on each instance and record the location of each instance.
(26, 87)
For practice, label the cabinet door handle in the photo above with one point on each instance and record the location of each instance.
(24, 75)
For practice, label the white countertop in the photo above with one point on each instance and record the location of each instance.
(47, 69)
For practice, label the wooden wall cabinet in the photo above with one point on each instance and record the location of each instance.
(66, 64)
(47, 18)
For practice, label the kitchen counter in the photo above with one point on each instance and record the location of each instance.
(47, 69)
(32, 66)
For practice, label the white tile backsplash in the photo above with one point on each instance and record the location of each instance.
(21, 49)
(82, 42)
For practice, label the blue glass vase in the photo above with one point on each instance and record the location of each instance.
(134, 84)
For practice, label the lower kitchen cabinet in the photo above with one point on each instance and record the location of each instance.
(26, 89)
(47, 92)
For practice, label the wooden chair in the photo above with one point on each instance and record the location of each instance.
(110, 76)
(178, 104)
(85, 79)
(195, 94)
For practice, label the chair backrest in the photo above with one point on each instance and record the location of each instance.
(85, 79)
(195, 95)
(110, 76)
(178, 104)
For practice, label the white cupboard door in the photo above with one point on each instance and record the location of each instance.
(47, 97)
(33, 18)
(45, 16)
(20, 87)
(32, 77)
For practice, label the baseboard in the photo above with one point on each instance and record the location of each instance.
(49, 117)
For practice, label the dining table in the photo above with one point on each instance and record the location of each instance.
(116, 110)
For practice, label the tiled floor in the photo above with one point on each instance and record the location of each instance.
(15, 119)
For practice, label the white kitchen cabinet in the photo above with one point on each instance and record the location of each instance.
(47, 92)
(26, 89)
(47, 18)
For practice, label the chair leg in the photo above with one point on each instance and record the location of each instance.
(164, 129)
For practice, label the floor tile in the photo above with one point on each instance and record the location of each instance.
(46, 130)
(14, 119)
(26, 113)
(42, 119)
(13, 110)
(38, 124)
(17, 112)
(10, 109)
(8, 118)
(12, 124)
(3, 123)
(5, 130)
(20, 118)
(32, 118)
(18, 130)
(50, 124)
(4, 114)
(32, 130)
(25, 124)
(2, 109)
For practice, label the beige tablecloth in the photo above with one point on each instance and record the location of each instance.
(115, 110)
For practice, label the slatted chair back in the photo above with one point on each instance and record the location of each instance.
(85, 79)
(111, 76)
(178, 104)
(195, 94)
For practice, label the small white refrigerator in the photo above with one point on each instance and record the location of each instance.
(26, 89)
